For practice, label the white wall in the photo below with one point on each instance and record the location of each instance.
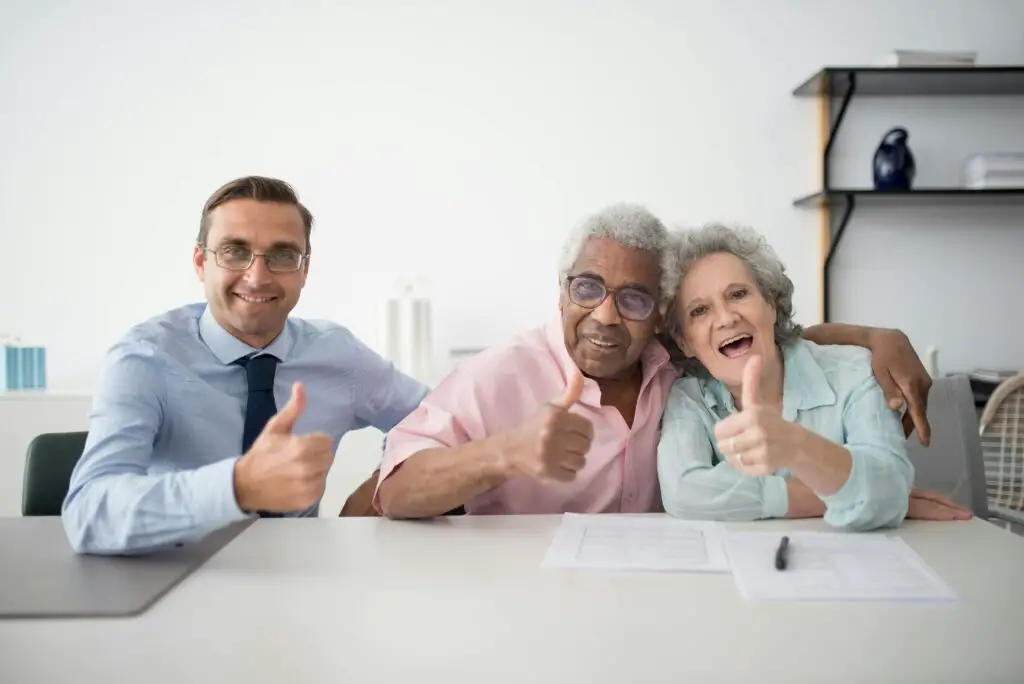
(460, 140)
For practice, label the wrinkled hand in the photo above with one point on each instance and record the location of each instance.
(553, 443)
(928, 505)
(757, 440)
(903, 379)
(283, 472)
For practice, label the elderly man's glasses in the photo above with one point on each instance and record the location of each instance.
(632, 303)
(240, 258)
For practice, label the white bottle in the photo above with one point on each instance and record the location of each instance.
(407, 330)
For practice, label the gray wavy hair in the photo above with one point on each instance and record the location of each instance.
(769, 272)
(630, 225)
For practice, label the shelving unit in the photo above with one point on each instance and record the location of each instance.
(835, 88)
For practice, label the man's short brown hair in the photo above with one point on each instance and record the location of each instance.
(261, 189)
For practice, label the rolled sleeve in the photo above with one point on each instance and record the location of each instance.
(449, 416)
(876, 493)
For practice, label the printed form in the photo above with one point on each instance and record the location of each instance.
(623, 542)
(832, 566)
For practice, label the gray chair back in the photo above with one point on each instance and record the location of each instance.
(953, 463)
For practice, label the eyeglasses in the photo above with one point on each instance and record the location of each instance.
(589, 292)
(240, 258)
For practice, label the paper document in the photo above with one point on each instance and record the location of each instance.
(614, 542)
(824, 566)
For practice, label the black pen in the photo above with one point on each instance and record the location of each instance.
(781, 554)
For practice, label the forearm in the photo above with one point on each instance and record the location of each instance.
(803, 502)
(434, 481)
(127, 512)
(360, 502)
(822, 465)
(722, 493)
(839, 333)
(876, 494)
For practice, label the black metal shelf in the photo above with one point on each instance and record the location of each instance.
(825, 197)
(838, 85)
(915, 81)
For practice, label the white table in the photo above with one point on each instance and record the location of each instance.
(465, 600)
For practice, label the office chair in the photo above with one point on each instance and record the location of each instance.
(48, 464)
(954, 465)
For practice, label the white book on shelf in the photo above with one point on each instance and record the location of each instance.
(924, 58)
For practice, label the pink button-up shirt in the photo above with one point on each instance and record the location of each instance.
(503, 386)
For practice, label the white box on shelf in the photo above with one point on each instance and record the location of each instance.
(994, 170)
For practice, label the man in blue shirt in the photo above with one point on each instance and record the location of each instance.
(214, 412)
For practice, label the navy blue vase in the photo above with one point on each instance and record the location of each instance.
(894, 166)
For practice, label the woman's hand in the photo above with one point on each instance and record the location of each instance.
(757, 440)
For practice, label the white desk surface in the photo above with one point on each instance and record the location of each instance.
(465, 600)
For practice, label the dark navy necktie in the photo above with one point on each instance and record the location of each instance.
(260, 405)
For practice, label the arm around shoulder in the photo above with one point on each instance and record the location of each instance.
(840, 334)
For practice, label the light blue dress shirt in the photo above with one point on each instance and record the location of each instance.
(167, 418)
(830, 390)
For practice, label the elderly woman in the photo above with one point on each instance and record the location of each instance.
(767, 424)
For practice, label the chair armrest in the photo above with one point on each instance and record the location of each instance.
(1013, 518)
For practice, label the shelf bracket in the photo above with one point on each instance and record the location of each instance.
(837, 228)
(837, 120)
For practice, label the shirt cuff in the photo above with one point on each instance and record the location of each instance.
(401, 449)
(775, 498)
(851, 493)
(214, 494)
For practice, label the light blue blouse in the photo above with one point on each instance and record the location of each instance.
(829, 390)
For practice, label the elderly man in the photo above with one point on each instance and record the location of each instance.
(230, 408)
(565, 418)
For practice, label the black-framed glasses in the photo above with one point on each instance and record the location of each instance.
(240, 258)
(632, 303)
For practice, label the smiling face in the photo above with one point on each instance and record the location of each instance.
(601, 335)
(725, 318)
(252, 304)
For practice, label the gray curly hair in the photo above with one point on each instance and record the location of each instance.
(630, 225)
(769, 272)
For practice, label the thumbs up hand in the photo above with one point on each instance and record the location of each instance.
(757, 440)
(553, 443)
(284, 472)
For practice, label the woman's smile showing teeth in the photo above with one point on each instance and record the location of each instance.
(736, 346)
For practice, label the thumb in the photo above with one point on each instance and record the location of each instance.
(751, 395)
(572, 391)
(283, 421)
